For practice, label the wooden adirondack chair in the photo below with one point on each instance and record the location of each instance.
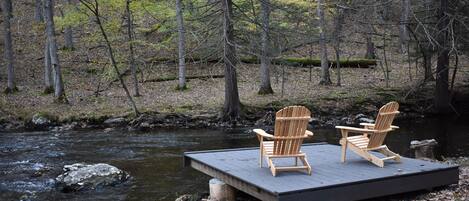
(290, 130)
(372, 137)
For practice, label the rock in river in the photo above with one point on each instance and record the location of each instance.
(361, 118)
(81, 176)
(118, 121)
(42, 120)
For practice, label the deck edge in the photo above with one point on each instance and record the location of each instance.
(377, 189)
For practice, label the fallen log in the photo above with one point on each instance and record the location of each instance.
(164, 79)
(287, 61)
(307, 62)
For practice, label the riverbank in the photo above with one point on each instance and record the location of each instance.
(326, 113)
(362, 92)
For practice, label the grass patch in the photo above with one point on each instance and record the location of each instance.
(92, 71)
(335, 96)
(183, 109)
(184, 88)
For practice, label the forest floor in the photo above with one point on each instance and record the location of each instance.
(363, 90)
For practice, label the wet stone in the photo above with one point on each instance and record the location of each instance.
(115, 121)
(361, 118)
(347, 121)
(41, 121)
(107, 130)
(80, 176)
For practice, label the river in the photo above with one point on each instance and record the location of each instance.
(30, 161)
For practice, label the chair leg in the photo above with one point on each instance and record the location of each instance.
(272, 167)
(375, 160)
(385, 151)
(261, 153)
(344, 150)
(366, 155)
(305, 163)
(269, 162)
(260, 158)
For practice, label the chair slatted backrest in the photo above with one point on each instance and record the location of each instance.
(290, 127)
(383, 123)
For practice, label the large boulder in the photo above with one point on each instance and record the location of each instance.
(42, 120)
(361, 118)
(81, 176)
(117, 121)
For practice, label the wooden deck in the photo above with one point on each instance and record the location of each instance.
(330, 179)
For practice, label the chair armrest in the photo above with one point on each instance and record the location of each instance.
(309, 133)
(356, 130)
(262, 133)
(372, 125)
(367, 124)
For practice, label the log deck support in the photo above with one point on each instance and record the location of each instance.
(220, 191)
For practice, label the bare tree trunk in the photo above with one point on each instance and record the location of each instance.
(386, 9)
(442, 94)
(7, 9)
(38, 8)
(181, 46)
(133, 67)
(68, 34)
(339, 16)
(325, 77)
(232, 105)
(265, 87)
(385, 57)
(427, 49)
(283, 80)
(68, 37)
(427, 64)
(403, 32)
(48, 73)
(59, 92)
(370, 46)
(94, 8)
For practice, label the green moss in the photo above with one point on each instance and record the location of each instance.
(10, 91)
(184, 88)
(167, 78)
(336, 96)
(67, 49)
(47, 115)
(265, 91)
(361, 99)
(279, 104)
(47, 91)
(92, 71)
(249, 60)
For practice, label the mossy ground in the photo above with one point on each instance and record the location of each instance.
(361, 87)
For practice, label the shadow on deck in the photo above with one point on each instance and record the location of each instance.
(330, 179)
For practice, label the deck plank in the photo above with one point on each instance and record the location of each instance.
(328, 173)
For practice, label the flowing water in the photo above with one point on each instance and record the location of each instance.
(30, 161)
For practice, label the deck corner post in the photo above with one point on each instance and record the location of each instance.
(186, 161)
(221, 191)
(424, 149)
